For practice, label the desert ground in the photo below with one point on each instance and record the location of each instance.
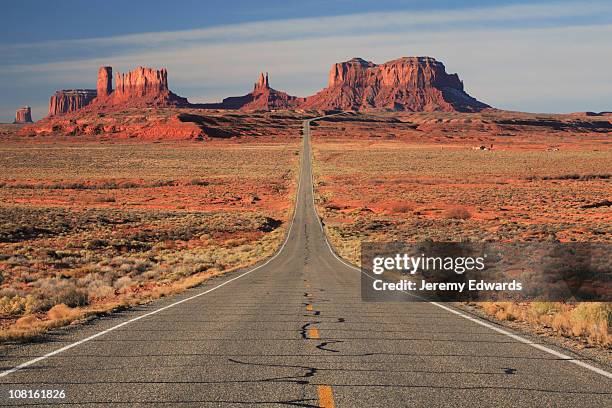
(104, 211)
(93, 224)
(498, 177)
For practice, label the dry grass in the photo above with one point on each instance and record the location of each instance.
(590, 321)
(60, 312)
(457, 213)
(105, 233)
(402, 208)
(422, 179)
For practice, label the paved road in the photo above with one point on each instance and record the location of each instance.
(295, 332)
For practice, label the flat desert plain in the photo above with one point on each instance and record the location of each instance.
(89, 225)
(498, 177)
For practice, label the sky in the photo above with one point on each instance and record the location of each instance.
(537, 56)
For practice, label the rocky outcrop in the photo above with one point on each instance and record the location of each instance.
(263, 97)
(69, 100)
(408, 84)
(105, 82)
(349, 73)
(141, 82)
(23, 115)
(262, 83)
(140, 88)
(144, 87)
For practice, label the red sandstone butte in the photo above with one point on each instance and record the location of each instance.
(69, 100)
(23, 115)
(142, 87)
(105, 82)
(263, 97)
(404, 84)
(141, 82)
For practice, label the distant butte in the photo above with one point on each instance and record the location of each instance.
(406, 84)
(416, 84)
(263, 97)
(69, 100)
(140, 88)
(23, 115)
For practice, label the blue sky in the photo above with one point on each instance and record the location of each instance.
(532, 56)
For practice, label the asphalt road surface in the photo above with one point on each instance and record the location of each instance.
(295, 332)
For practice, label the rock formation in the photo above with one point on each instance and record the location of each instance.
(142, 87)
(141, 82)
(105, 82)
(69, 100)
(262, 83)
(409, 84)
(262, 98)
(145, 87)
(23, 115)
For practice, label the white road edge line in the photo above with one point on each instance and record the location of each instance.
(102, 333)
(458, 313)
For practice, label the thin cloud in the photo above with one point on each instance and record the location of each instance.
(338, 25)
(539, 68)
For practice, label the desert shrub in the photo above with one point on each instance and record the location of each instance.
(126, 245)
(34, 304)
(9, 292)
(125, 268)
(543, 307)
(401, 207)
(502, 315)
(163, 183)
(96, 244)
(104, 199)
(60, 312)
(71, 296)
(123, 282)
(10, 306)
(87, 279)
(151, 274)
(573, 176)
(560, 322)
(99, 289)
(96, 286)
(17, 260)
(130, 266)
(110, 275)
(128, 184)
(457, 213)
(589, 320)
(198, 182)
(26, 277)
(109, 185)
(67, 186)
(55, 291)
(596, 312)
(489, 308)
(182, 271)
(25, 322)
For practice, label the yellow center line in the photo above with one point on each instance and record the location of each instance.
(326, 397)
(309, 307)
(313, 333)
